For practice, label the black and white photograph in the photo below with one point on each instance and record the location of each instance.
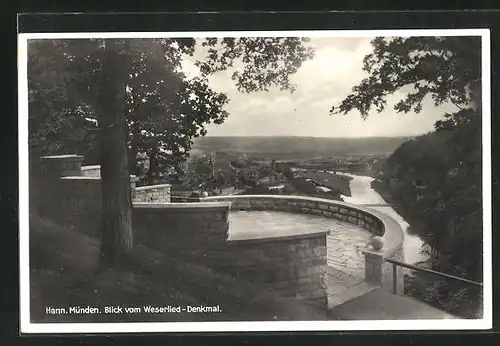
(255, 181)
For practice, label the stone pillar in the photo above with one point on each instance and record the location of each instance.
(167, 194)
(58, 166)
(373, 265)
(133, 184)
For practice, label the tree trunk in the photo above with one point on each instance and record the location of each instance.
(116, 224)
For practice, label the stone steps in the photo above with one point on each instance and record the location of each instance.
(350, 293)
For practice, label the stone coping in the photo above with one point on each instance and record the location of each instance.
(152, 187)
(192, 207)
(273, 236)
(371, 251)
(82, 178)
(393, 232)
(66, 156)
(294, 198)
(133, 178)
(89, 168)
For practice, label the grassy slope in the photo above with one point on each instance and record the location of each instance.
(64, 273)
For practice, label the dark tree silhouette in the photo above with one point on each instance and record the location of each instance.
(133, 93)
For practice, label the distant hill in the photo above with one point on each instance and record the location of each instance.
(296, 147)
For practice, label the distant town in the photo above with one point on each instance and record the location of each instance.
(229, 173)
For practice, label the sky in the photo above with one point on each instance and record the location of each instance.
(321, 82)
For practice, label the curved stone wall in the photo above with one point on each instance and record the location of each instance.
(372, 221)
(292, 265)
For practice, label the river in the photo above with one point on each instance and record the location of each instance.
(363, 194)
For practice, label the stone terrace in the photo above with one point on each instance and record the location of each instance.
(304, 247)
(349, 229)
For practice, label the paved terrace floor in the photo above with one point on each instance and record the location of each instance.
(344, 258)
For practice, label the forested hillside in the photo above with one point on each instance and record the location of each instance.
(436, 179)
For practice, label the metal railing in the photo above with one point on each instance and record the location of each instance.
(395, 264)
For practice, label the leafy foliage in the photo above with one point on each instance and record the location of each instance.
(267, 61)
(164, 108)
(455, 298)
(446, 68)
(448, 213)
(134, 93)
(55, 123)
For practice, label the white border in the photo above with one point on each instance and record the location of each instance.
(28, 327)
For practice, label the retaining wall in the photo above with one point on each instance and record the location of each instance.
(80, 203)
(290, 265)
(91, 171)
(72, 195)
(188, 230)
(153, 193)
